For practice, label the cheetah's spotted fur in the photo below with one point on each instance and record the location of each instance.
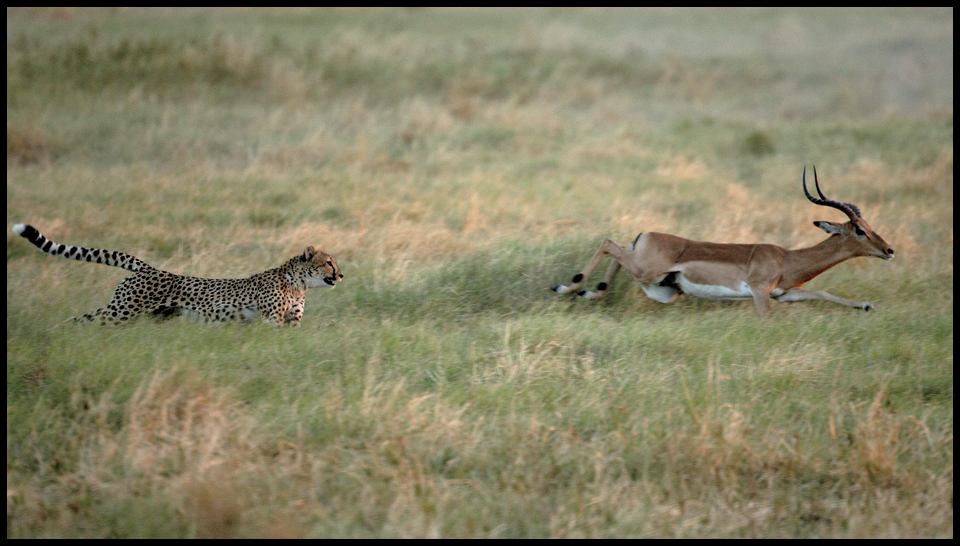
(277, 295)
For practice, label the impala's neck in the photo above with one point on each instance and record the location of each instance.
(803, 264)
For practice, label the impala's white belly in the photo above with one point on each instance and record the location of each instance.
(714, 292)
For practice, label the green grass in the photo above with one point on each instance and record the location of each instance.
(458, 163)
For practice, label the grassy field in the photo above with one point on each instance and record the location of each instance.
(458, 163)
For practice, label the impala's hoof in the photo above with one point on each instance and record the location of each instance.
(867, 307)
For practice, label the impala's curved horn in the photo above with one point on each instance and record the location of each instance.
(849, 209)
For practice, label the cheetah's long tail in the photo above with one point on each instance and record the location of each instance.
(94, 255)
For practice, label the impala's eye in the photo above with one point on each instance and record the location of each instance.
(859, 231)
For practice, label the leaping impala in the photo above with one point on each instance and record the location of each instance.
(667, 266)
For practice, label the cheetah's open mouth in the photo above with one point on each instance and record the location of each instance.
(331, 281)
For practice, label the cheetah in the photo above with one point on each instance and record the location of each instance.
(276, 295)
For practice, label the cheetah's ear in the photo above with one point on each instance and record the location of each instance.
(309, 253)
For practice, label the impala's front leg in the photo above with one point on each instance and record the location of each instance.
(800, 294)
(607, 248)
(761, 299)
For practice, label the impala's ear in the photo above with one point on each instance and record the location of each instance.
(830, 227)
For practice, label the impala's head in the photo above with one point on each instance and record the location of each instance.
(857, 234)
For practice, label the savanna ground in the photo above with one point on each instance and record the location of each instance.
(458, 163)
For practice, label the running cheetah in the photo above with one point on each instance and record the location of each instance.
(276, 295)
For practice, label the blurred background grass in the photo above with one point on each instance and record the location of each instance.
(458, 162)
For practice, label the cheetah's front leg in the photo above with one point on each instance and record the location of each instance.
(295, 313)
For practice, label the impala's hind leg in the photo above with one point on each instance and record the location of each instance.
(604, 284)
(607, 248)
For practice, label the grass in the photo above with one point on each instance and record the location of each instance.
(458, 163)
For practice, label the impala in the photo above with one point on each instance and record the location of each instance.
(667, 266)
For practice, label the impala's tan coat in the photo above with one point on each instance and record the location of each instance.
(667, 266)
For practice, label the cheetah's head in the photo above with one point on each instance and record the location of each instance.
(323, 270)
